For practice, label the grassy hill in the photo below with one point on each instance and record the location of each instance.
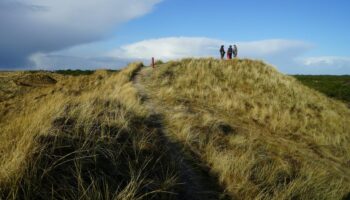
(192, 129)
(265, 135)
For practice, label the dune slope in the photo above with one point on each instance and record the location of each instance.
(192, 129)
(264, 134)
(85, 137)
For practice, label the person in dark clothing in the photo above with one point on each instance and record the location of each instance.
(222, 52)
(229, 53)
(235, 51)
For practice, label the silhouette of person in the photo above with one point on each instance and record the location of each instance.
(222, 52)
(229, 53)
(235, 51)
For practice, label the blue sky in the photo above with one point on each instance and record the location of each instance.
(322, 22)
(298, 37)
(325, 24)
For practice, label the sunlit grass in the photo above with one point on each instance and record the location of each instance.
(119, 135)
(263, 133)
(86, 137)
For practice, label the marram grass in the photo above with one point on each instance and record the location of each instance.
(190, 129)
(265, 135)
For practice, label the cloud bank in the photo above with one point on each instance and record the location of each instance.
(327, 61)
(34, 26)
(325, 65)
(179, 47)
(287, 55)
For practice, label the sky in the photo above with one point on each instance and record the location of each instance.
(295, 36)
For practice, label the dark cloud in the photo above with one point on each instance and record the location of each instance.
(32, 26)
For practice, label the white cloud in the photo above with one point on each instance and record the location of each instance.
(180, 47)
(274, 47)
(279, 52)
(32, 26)
(331, 61)
(60, 61)
(286, 55)
(336, 65)
(168, 48)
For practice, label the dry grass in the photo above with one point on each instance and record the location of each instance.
(86, 137)
(263, 134)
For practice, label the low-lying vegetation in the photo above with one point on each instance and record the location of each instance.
(333, 86)
(265, 135)
(74, 72)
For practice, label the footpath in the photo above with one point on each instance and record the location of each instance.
(194, 177)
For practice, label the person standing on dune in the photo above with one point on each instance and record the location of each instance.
(222, 52)
(235, 51)
(229, 53)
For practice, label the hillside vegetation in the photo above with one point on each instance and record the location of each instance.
(84, 137)
(333, 86)
(192, 129)
(265, 135)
